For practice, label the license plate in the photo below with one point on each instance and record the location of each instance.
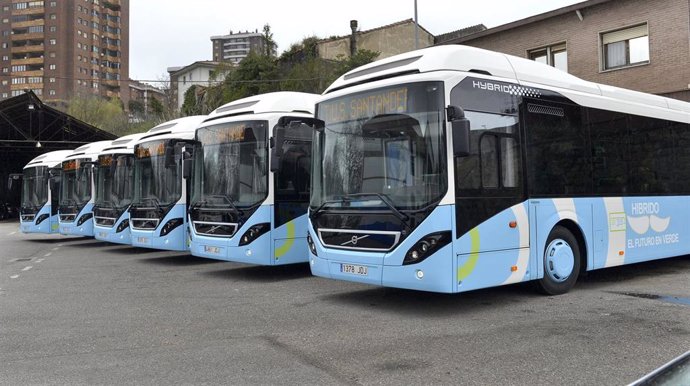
(103, 235)
(210, 249)
(354, 269)
(66, 229)
(142, 240)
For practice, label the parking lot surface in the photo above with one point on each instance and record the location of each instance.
(78, 311)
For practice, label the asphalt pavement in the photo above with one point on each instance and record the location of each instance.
(78, 311)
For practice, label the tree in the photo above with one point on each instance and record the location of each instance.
(102, 113)
(270, 46)
(156, 107)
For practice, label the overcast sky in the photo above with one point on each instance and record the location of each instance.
(167, 33)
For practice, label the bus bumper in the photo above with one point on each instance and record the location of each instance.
(173, 241)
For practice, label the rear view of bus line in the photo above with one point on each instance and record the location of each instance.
(248, 206)
(77, 188)
(115, 190)
(453, 168)
(40, 192)
(159, 209)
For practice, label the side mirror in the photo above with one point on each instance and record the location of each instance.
(187, 165)
(13, 178)
(460, 127)
(277, 148)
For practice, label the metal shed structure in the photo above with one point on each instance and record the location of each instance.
(28, 128)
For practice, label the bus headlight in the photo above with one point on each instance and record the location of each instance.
(123, 225)
(254, 232)
(170, 225)
(426, 247)
(312, 247)
(86, 217)
(42, 218)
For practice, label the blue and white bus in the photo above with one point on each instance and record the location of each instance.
(115, 190)
(40, 192)
(248, 206)
(158, 213)
(77, 187)
(453, 168)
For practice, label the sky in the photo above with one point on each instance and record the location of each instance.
(168, 33)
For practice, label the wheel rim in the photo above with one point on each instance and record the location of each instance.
(560, 260)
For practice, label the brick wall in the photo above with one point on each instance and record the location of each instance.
(669, 42)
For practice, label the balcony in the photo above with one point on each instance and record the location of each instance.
(28, 73)
(18, 62)
(29, 11)
(24, 86)
(29, 23)
(28, 48)
(28, 36)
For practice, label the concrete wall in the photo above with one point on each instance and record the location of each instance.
(389, 41)
(669, 43)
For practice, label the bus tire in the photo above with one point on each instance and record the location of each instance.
(561, 261)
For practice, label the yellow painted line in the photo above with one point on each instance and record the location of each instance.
(283, 249)
(466, 270)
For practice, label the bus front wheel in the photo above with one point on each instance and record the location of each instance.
(561, 262)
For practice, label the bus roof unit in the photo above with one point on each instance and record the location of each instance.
(275, 102)
(49, 159)
(89, 150)
(182, 128)
(525, 72)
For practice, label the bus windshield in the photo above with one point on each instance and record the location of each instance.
(157, 174)
(35, 187)
(114, 185)
(75, 182)
(382, 148)
(231, 165)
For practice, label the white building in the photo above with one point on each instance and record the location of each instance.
(201, 73)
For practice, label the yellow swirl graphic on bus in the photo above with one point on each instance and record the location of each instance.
(466, 270)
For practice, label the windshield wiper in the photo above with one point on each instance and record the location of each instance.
(152, 200)
(318, 210)
(229, 201)
(384, 199)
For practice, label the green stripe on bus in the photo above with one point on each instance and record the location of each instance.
(467, 268)
(283, 249)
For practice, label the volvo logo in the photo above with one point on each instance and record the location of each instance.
(354, 240)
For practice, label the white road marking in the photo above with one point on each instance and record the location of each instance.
(58, 247)
(48, 254)
(12, 233)
(27, 268)
(40, 260)
(14, 276)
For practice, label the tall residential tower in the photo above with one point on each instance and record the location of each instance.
(63, 48)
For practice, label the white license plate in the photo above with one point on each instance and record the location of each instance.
(66, 229)
(360, 270)
(103, 235)
(142, 240)
(210, 249)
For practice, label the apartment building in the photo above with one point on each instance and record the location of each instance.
(636, 44)
(235, 46)
(62, 48)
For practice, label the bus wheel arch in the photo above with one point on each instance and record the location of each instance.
(563, 258)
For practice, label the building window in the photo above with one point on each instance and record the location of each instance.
(51, 92)
(625, 47)
(4, 95)
(53, 28)
(51, 80)
(53, 16)
(53, 42)
(555, 56)
(53, 3)
(52, 67)
(5, 57)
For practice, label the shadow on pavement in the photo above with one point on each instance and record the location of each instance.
(129, 250)
(429, 304)
(177, 259)
(600, 277)
(68, 241)
(264, 274)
